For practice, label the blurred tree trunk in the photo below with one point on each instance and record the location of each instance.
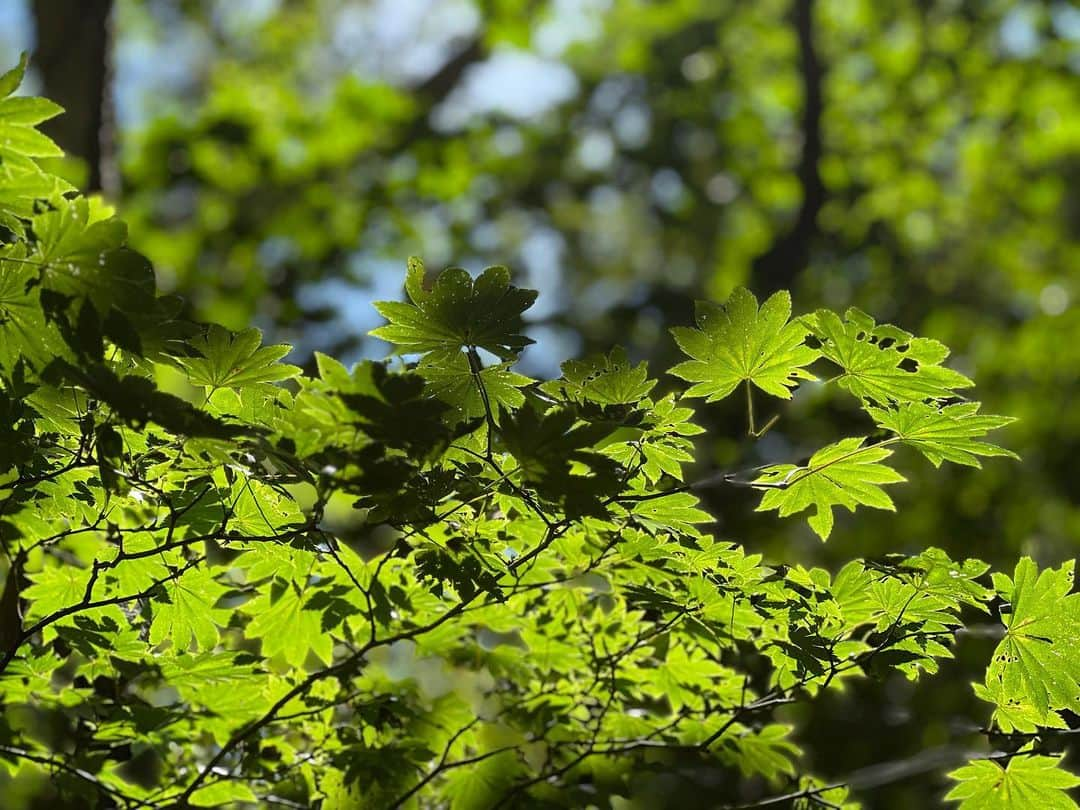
(72, 56)
(438, 86)
(778, 267)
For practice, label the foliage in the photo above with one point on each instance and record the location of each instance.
(1023, 782)
(738, 343)
(534, 611)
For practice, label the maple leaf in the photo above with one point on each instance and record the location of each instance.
(235, 360)
(24, 332)
(449, 376)
(605, 379)
(740, 342)
(883, 363)
(286, 625)
(1014, 712)
(1038, 660)
(1027, 782)
(457, 312)
(676, 512)
(951, 433)
(846, 474)
(183, 610)
(664, 444)
(19, 115)
(22, 182)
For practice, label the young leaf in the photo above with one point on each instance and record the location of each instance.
(846, 474)
(739, 342)
(1026, 783)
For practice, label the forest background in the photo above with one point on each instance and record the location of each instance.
(277, 160)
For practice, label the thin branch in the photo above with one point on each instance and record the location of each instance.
(79, 773)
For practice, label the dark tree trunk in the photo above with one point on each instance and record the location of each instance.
(72, 55)
(778, 267)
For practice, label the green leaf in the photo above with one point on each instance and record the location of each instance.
(1026, 783)
(883, 363)
(449, 376)
(951, 433)
(1038, 660)
(845, 474)
(55, 588)
(1013, 712)
(458, 312)
(74, 238)
(605, 379)
(482, 785)
(192, 672)
(19, 115)
(23, 330)
(222, 794)
(769, 751)
(678, 512)
(22, 184)
(662, 441)
(184, 610)
(27, 110)
(286, 627)
(11, 79)
(235, 360)
(739, 342)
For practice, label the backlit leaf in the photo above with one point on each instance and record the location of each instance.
(739, 342)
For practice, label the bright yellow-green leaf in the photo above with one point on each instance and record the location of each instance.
(222, 359)
(739, 342)
(1027, 782)
(847, 473)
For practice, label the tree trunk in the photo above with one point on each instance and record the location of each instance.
(779, 266)
(72, 56)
